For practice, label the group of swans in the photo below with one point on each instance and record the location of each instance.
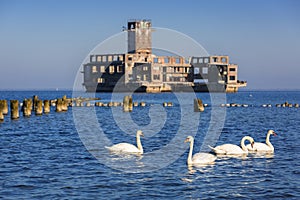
(204, 158)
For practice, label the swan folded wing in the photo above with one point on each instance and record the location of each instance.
(124, 147)
(203, 158)
(229, 149)
(259, 147)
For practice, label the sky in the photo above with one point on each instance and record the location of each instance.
(43, 43)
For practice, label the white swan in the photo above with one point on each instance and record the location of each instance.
(198, 158)
(232, 149)
(129, 148)
(263, 147)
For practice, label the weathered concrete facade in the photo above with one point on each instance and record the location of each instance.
(143, 71)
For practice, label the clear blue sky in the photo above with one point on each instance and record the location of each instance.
(43, 43)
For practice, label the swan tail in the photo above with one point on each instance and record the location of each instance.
(217, 150)
(212, 148)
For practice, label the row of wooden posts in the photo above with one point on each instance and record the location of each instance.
(36, 105)
(39, 106)
(286, 104)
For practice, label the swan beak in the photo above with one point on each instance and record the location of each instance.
(274, 134)
(142, 135)
(186, 140)
(252, 144)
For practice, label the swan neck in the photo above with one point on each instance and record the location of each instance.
(243, 143)
(139, 144)
(189, 160)
(268, 141)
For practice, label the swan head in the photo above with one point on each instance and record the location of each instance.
(189, 139)
(271, 132)
(140, 133)
(251, 140)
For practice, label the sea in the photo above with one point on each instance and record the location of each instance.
(63, 155)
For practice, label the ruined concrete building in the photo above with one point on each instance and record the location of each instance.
(141, 71)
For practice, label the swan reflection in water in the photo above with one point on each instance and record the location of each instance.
(197, 172)
(263, 155)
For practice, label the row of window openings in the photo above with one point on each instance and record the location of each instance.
(170, 69)
(107, 58)
(157, 77)
(111, 69)
(205, 70)
(167, 60)
(206, 60)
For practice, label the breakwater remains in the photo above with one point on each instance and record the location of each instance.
(36, 106)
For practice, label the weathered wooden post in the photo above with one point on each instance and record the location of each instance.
(34, 100)
(198, 105)
(64, 98)
(1, 116)
(14, 109)
(27, 107)
(5, 107)
(46, 106)
(64, 106)
(58, 105)
(39, 107)
(1, 111)
(127, 104)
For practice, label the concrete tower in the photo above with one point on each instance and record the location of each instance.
(139, 36)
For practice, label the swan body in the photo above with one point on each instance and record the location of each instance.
(198, 158)
(129, 148)
(232, 149)
(263, 147)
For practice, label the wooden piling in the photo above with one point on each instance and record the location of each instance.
(1, 116)
(46, 106)
(38, 107)
(64, 98)
(4, 107)
(14, 109)
(34, 101)
(27, 107)
(127, 104)
(58, 105)
(198, 105)
(1, 111)
(64, 104)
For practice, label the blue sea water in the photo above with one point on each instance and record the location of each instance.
(47, 157)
